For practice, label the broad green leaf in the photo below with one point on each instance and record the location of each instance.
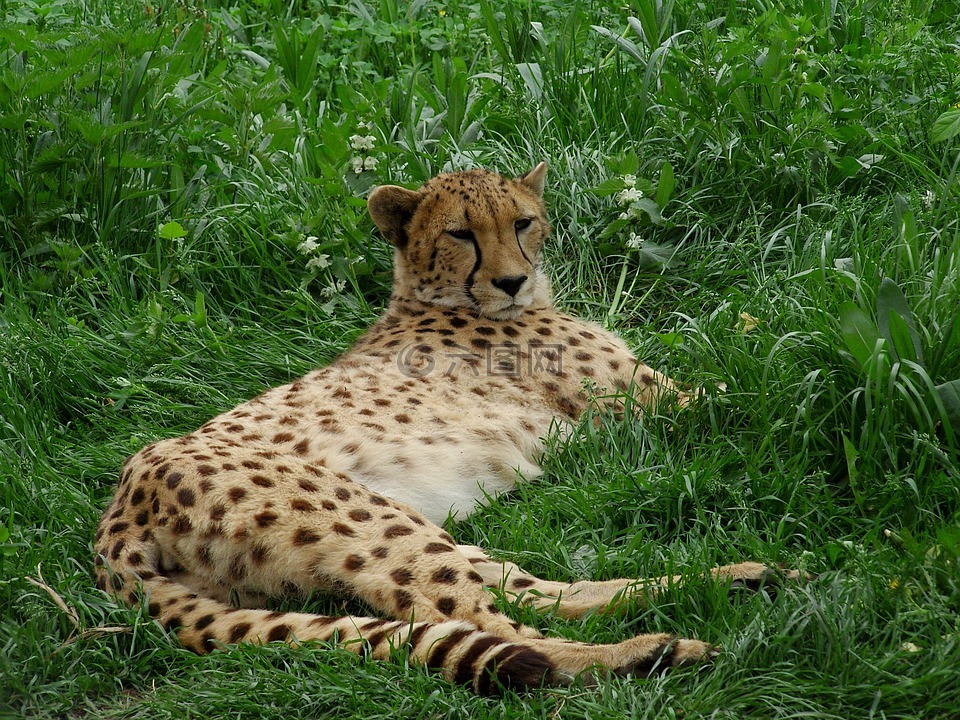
(859, 333)
(773, 61)
(851, 455)
(53, 159)
(132, 160)
(665, 184)
(671, 339)
(949, 393)
(14, 120)
(947, 126)
(905, 222)
(646, 25)
(951, 334)
(532, 77)
(614, 228)
(626, 45)
(45, 83)
(849, 166)
(199, 311)
(815, 89)
(255, 58)
(488, 11)
(902, 344)
(133, 89)
(654, 255)
(650, 208)
(897, 323)
(629, 164)
(608, 187)
(172, 230)
(869, 160)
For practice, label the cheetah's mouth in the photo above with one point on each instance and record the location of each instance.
(509, 310)
(500, 309)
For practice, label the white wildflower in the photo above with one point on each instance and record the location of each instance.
(625, 216)
(370, 163)
(319, 262)
(629, 195)
(634, 242)
(331, 290)
(910, 647)
(308, 245)
(357, 164)
(362, 142)
(929, 198)
(629, 181)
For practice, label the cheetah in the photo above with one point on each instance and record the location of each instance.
(340, 481)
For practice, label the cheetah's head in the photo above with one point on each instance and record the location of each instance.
(468, 239)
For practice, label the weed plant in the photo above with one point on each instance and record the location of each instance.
(761, 193)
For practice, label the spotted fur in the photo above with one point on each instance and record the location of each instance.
(339, 481)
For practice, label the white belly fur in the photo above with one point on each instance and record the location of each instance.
(441, 479)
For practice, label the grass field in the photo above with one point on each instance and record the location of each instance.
(794, 234)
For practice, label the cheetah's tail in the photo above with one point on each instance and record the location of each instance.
(463, 653)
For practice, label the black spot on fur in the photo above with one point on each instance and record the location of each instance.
(278, 632)
(445, 576)
(660, 660)
(204, 622)
(303, 536)
(401, 576)
(466, 666)
(238, 632)
(447, 605)
(395, 531)
(435, 548)
(515, 668)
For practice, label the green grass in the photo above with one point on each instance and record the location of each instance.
(798, 241)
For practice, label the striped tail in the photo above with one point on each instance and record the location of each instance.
(464, 654)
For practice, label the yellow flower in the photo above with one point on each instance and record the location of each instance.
(894, 584)
(747, 323)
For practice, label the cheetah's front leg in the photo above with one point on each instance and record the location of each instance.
(576, 599)
(652, 388)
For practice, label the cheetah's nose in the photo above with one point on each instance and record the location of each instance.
(510, 285)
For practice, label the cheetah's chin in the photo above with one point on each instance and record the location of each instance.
(509, 312)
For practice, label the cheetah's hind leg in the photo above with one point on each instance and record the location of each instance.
(410, 569)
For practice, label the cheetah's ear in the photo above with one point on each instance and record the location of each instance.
(535, 179)
(391, 208)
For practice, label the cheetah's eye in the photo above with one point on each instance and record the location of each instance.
(522, 224)
(461, 234)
